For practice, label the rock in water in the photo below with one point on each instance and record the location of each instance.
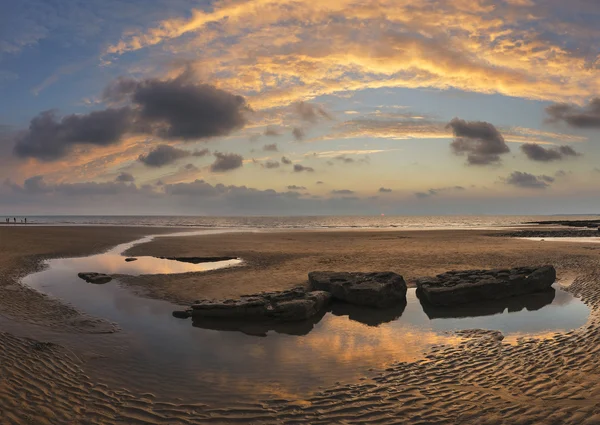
(291, 305)
(182, 314)
(460, 287)
(379, 289)
(130, 259)
(95, 278)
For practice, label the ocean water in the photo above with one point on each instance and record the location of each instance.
(303, 222)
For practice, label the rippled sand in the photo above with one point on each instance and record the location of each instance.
(480, 380)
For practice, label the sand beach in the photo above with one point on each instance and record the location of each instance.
(62, 365)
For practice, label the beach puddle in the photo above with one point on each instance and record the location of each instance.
(217, 361)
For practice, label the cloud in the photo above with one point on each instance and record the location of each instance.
(541, 154)
(270, 148)
(49, 138)
(270, 165)
(529, 181)
(125, 178)
(574, 116)
(298, 168)
(438, 191)
(309, 112)
(343, 192)
(286, 161)
(190, 167)
(271, 132)
(320, 182)
(163, 155)
(384, 190)
(226, 162)
(298, 133)
(181, 109)
(200, 153)
(481, 141)
(169, 109)
(294, 187)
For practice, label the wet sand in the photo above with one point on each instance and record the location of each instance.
(482, 380)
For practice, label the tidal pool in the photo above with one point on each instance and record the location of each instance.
(213, 361)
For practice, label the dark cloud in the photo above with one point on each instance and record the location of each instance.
(320, 182)
(181, 109)
(271, 132)
(294, 187)
(526, 180)
(270, 148)
(384, 190)
(271, 165)
(190, 167)
(481, 141)
(345, 159)
(538, 153)
(125, 178)
(286, 161)
(298, 168)
(163, 155)
(575, 116)
(437, 191)
(36, 185)
(49, 138)
(342, 192)
(226, 162)
(171, 109)
(562, 173)
(201, 152)
(309, 112)
(298, 133)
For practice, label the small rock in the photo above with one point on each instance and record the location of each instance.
(95, 278)
(130, 259)
(182, 314)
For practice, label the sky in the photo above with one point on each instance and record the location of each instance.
(286, 107)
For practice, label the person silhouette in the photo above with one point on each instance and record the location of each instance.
(25, 219)
(15, 219)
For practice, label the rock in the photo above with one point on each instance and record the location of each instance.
(182, 314)
(446, 290)
(378, 289)
(198, 260)
(95, 278)
(291, 305)
(130, 259)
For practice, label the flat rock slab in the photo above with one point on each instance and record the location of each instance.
(291, 305)
(95, 278)
(378, 289)
(199, 260)
(468, 286)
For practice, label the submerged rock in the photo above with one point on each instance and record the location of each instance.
(182, 314)
(199, 260)
(467, 286)
(378, 289)
(291, 305)
(130, 259)
(95, 278)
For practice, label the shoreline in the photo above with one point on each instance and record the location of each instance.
(279, 259)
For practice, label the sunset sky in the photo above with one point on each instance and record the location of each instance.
(299, 107)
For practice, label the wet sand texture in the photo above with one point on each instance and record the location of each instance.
(480, 381)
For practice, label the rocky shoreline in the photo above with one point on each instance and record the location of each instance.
(566, 233)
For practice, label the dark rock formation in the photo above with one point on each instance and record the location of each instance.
(291, 305)
(259, 327)
(130, 259)
(198, 260)
(568, 223)
(380, 289)
(460, 287)
(95, 278)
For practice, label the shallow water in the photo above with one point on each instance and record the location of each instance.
(214, 361)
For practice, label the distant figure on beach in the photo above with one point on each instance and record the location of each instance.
(25, 220)
(15, 219)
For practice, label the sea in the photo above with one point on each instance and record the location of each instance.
(302, 222)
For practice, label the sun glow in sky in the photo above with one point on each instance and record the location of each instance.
(281, 107)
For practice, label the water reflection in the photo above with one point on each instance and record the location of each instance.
(530, 302)
(217, 360)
